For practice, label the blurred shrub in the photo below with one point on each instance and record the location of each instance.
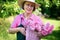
(9, 8)
(50, 7)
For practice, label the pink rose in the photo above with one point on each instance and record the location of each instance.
(47, 29)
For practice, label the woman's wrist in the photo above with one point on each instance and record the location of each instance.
(18, 29)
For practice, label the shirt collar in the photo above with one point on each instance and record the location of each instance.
(31, 17)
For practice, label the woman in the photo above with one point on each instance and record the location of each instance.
(15, 26)
(27, 19)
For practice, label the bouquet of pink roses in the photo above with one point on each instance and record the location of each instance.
(44, 29)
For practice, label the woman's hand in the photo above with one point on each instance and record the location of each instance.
(22, 30)
(39, 34)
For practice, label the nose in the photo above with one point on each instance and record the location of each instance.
(29, 6)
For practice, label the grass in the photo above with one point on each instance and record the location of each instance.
(4, 35)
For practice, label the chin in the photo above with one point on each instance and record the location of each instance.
(29, 12)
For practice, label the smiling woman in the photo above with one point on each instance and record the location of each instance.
(27, 24)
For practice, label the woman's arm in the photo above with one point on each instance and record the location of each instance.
(15, 30)
(14, 26)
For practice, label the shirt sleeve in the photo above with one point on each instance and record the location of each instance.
(16, 22)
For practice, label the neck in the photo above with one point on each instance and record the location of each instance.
(27, 15)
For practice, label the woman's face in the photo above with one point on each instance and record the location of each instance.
(28, 7)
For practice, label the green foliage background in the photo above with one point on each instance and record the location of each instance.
(8, 8)
(48, 7)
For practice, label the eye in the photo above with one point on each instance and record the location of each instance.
(32, 5)
(27, 4)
